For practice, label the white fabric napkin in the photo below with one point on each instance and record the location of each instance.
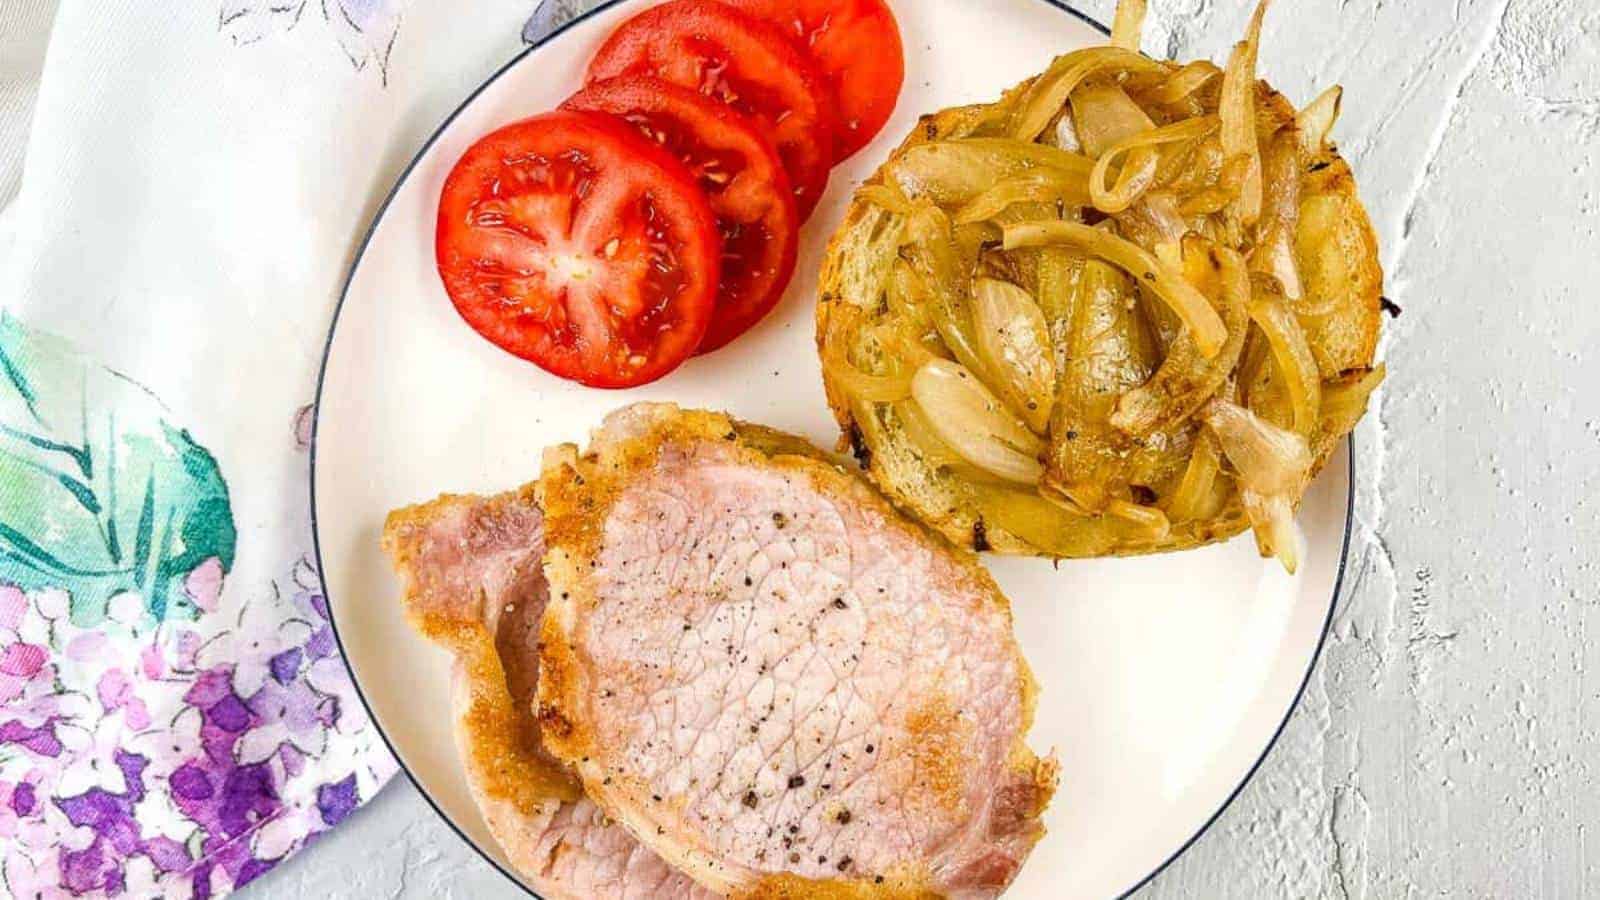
(178, 209)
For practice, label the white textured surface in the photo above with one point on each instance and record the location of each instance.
(1444, 746)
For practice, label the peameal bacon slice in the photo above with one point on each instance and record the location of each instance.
(473, 585)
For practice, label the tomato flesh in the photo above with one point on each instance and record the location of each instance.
(570, 241)
(746, 63)
(743, 178)
(856, 44)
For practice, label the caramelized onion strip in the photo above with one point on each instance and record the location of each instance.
(1136, 176)
(1045, 98)
(1238, 112)
(1128, 25)
(1190, 305)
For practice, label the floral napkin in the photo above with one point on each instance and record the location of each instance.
(178, 208)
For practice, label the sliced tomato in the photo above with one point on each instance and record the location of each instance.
(744, 62)
(570, 241)
(742, 176)
(856, 44)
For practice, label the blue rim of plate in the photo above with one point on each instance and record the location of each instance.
(316, 538)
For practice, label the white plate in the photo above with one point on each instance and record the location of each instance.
(1165, 680)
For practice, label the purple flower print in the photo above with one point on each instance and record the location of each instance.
(136, 689)
(248, 21)
(21, 797)
(90, 869)
(337, 801)
(115, 691)
(204, 585)
(226, 800)
(116, 831)
(322, 644)
(229, 714)
(178, 759)
(13, 609)
(191, 783)
(267, 626)
(41, 740)
(24, 799)
(364, 29)
(167, 854)
(19, 664)
(30, 704)
(22, 660)
(295, 716)
(286, 665)
(546, 18)
(98, 762)
(109, 816)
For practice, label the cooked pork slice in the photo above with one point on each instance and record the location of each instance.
(473, 584)
(778, 683)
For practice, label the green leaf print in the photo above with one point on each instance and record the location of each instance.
(99, 494)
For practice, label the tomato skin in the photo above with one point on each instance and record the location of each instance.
(743, 61)
(570, 241)
(743, 178)
(857, 46)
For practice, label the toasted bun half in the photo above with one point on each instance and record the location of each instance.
(1337, 255)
